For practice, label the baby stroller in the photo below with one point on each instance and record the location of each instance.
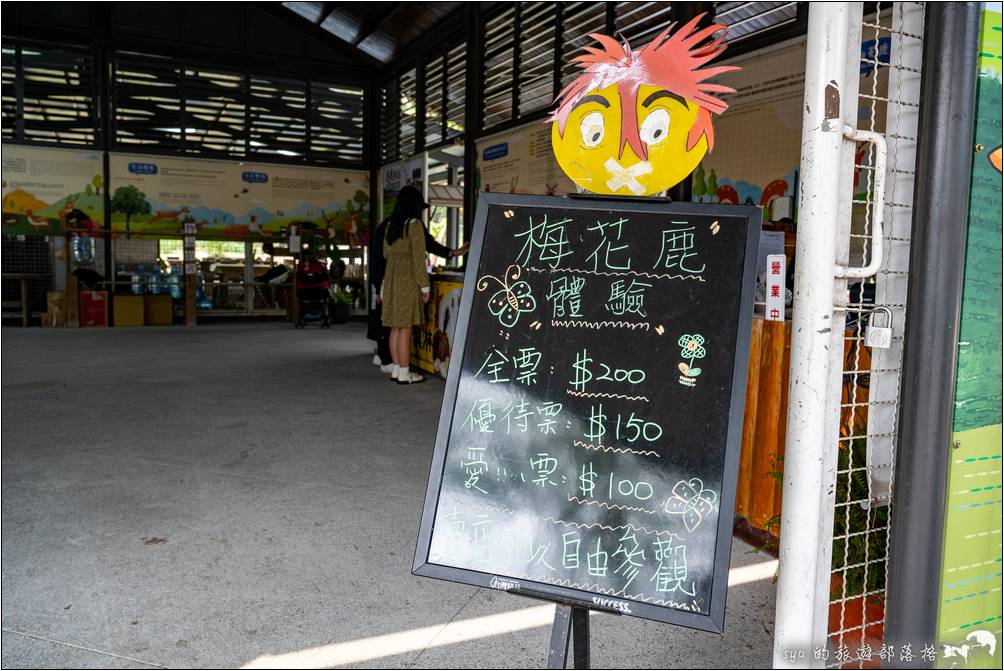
(312, 294)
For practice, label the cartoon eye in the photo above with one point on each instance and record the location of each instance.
(592, 129)
(655, 128)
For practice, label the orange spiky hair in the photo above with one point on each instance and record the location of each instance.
(672, 62)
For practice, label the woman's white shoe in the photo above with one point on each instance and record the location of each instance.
(407, 377)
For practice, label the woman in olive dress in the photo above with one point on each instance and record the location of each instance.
(405, 286)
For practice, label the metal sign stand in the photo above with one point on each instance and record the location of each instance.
(571, 621)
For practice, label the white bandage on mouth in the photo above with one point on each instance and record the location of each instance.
(626, 177)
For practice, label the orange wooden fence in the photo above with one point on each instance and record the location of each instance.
(758, 494)
(758, 497)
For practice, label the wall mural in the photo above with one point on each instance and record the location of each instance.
(759, 140)
(47, 190)
(155, 195)
(757, 144)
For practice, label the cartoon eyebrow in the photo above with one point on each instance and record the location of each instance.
(593, 99)
(663, 94)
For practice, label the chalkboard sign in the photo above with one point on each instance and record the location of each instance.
(589, 439)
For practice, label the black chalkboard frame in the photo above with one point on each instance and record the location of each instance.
(714, 621)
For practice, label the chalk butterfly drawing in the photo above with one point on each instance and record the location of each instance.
(512, 300)
(691, 500)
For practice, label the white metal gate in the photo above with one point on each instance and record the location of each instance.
(862, 92)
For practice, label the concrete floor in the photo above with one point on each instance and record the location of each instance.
(249, 495)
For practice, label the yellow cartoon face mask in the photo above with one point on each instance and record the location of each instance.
(635, 123)
(596, 155)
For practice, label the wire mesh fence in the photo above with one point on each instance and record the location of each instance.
(889, 96)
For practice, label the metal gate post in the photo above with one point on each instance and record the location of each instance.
(810, 461)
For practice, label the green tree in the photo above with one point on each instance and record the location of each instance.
(88, 190)
(129, 200)
(97, 182)
(712, 186)
(700, 189)
(361, 198)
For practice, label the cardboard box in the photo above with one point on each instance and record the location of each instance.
(55, 313)
(56, 301)
(94, 308)
(129, 311)
(159, 310)
(52, 319)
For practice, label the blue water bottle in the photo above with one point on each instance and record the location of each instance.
(153, 281)
(174, 282)
(137, 278)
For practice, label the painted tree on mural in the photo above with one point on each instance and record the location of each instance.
(97, 182)
(130, 201)
(700, 189)
(362, 199)
(712, 186)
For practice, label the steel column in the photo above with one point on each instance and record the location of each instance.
(472, 112)
(937, 253)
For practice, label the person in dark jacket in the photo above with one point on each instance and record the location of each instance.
(378, 267)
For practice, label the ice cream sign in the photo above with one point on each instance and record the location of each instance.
(635, 123)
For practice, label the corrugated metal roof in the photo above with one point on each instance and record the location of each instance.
(380, 30)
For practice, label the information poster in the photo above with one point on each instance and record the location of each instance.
(521, 161)
(589, 441)
(44, 190)
(395, 176)
(156, 195)
(758, 143)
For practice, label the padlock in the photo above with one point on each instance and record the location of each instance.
(879, 336)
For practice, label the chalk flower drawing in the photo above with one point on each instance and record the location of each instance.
(513, 299)
(692, 347)
(692, 501)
